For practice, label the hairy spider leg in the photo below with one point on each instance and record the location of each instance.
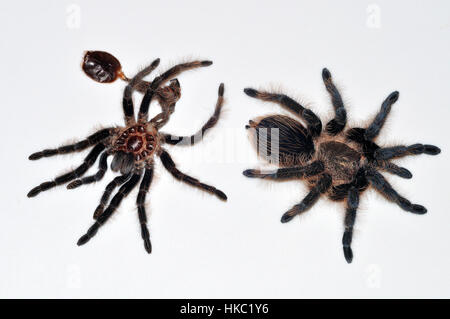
(393, 169)
(365, 136)
(314, 123)
(386, 153)
(380, 156)
(115, 202)
(312, 169)
(321, 187)
(383, 186)
(117, 181)
(79, 146)
(158, 81)
(137, 79)
(78, 172)
(102, 166)
(140, 201)
(168, 97)
(337, 124)
(127, 102)
(349, 222)
(169, 164)
(197, 137)
(375, 127)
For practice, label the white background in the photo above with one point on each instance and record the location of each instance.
(203, 247)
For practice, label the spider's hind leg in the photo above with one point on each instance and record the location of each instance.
(79, 171)
(350, 216)
(140, 201)
(321, 187)
(383, 186)
(117, 181)
(312, 169)
(115, 202)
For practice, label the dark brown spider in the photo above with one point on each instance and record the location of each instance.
(134, 145)
(340, 165)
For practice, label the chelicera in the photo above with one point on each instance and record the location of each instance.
(133, 146)
(336, 163)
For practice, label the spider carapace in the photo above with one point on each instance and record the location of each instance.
(133, 147)
(336, 163)
(138, 143)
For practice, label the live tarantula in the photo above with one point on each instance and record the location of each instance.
(133, 146)
(338, 164)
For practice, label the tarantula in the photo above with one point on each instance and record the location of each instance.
(132, 146)
(338, 164)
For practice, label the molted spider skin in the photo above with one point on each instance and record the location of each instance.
(134, 146)
(102, 66)
(336, 163)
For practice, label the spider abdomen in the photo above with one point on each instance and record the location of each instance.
(291, 139)
(340, 160)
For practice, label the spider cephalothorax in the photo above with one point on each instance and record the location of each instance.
(337, 163)
(133, 146)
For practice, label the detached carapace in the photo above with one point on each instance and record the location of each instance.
(133, 146)
(338, 164)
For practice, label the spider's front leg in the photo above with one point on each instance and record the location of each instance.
(365, 136)
(167, 96)
(160, 80)
(197, 137)
(177, 69)
(127, 101)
